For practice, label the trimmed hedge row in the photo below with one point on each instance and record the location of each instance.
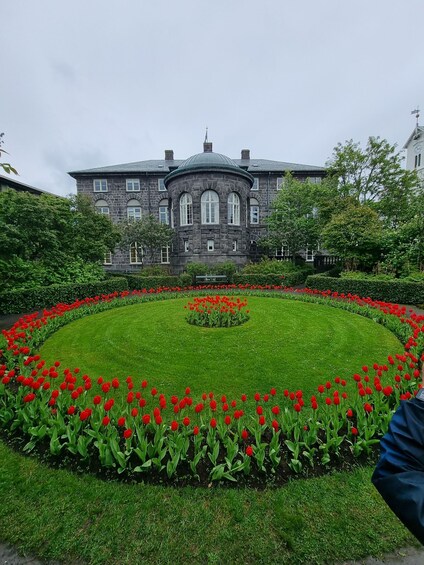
(136, 282)
(290, 279)
(396, 291)
(18, 301)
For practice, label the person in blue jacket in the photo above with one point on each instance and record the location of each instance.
(399, 474)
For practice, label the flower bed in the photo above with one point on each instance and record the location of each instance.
(267, 436)
(217, 312)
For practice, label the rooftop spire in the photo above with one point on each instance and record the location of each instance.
(206, 136)
(417, 115)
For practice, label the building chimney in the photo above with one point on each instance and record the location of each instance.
(207, 147)
(245, 154)
(169, 154)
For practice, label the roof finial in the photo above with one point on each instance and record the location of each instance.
(206, 136)
(417, 114)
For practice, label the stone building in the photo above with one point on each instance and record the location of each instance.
(217, 206)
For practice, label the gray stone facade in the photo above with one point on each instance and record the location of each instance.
(159, 186)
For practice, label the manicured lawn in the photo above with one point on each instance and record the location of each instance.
(286, 344)
(60, 515)
(56, 514)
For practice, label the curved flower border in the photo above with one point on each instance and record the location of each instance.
(151, 435)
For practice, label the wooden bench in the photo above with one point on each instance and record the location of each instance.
(211, 278)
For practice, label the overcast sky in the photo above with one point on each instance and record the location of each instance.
(90, 83)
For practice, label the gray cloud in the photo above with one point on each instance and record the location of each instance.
(96, 83)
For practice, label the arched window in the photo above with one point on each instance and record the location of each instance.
(186, 209)
(234, 209)
(254, 211)
(163, 212)
(102, 207)
(133, 210)
(210, 207)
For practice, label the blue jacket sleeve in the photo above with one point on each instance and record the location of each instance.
(399, 475)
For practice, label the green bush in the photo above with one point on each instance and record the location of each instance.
(21, 274)
(21, 301)
(272, 279)
(195, 269)
(396, 291)
(155, 271)
(270, 266)
(136, 282)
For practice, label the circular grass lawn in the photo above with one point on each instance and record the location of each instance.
(285, 344)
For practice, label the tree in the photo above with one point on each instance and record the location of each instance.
(148, 233)
(403, 248)
(46, 239)
(354, 235)
(7, 167)
(293, 220)
(374, 176)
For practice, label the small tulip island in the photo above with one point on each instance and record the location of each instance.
(217, 312)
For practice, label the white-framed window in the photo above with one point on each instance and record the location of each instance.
(161, 185)
(309, 254)
(210, 207)
(186, 246)
(163, 212)
(107, 258)
(186, 209)
(234, 209)
(102, 207)
(136, 254)
(255, 184)
(234, 245)
(211, 245)
(418, 160)
(284, 251)
(254, 211)
(280, 183)
(164, 254)
(133, 185)
(133, 210)
(100, 185)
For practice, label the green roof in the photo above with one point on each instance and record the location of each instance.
(208, 161)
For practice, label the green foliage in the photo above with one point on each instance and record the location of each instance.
(259, 279)
(7, 167)
(137, 282)
(292, 221)
(195, 268)
(19, 301)
(154, 271)
(374, 176)
(46, 240)
(270, 266)
(396, 291)
(149, 233)
(354, 235)
(21, 274)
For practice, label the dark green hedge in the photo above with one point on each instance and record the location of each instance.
(20, 301)
(135, 282)
(397, 291)
(290, 279)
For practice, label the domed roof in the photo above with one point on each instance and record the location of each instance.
(208, 161)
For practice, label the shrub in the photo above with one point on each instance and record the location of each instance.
(397, 290)
(194, 269)
(155, 271)
(137, 282)
(272, 279)
(19, 301)
(270, 266)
